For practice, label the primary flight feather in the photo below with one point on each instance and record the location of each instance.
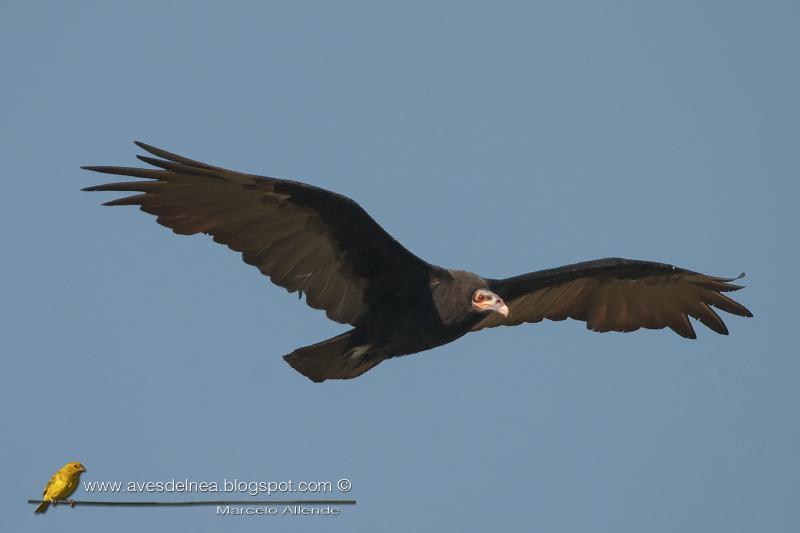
(324, 245)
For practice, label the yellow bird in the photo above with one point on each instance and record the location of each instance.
(61, 485)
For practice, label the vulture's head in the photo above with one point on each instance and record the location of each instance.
(485, 301)
(462, 299)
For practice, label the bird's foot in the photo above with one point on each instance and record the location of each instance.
(71, 502)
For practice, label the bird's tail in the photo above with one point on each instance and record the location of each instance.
(335, 358)
(42, 507)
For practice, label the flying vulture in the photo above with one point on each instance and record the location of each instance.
(325, 246)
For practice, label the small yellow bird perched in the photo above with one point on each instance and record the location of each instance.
(61, 485)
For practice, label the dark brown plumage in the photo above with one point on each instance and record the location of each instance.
(327, 247)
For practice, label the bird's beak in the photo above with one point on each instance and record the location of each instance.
(501, 308)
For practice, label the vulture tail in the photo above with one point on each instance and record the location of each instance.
(335, 358)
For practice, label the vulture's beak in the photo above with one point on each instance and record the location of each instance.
(500, 307)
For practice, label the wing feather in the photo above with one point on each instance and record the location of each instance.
(618, 295)
(303, 237)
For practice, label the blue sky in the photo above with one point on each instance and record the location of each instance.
(499, 139)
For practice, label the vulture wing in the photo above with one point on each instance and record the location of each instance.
(617, 295)
(304, 238)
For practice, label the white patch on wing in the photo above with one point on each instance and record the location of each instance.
(358, 351)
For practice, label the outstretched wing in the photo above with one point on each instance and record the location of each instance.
(617, 295)
(304, 238)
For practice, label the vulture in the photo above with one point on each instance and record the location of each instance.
(325, 246)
